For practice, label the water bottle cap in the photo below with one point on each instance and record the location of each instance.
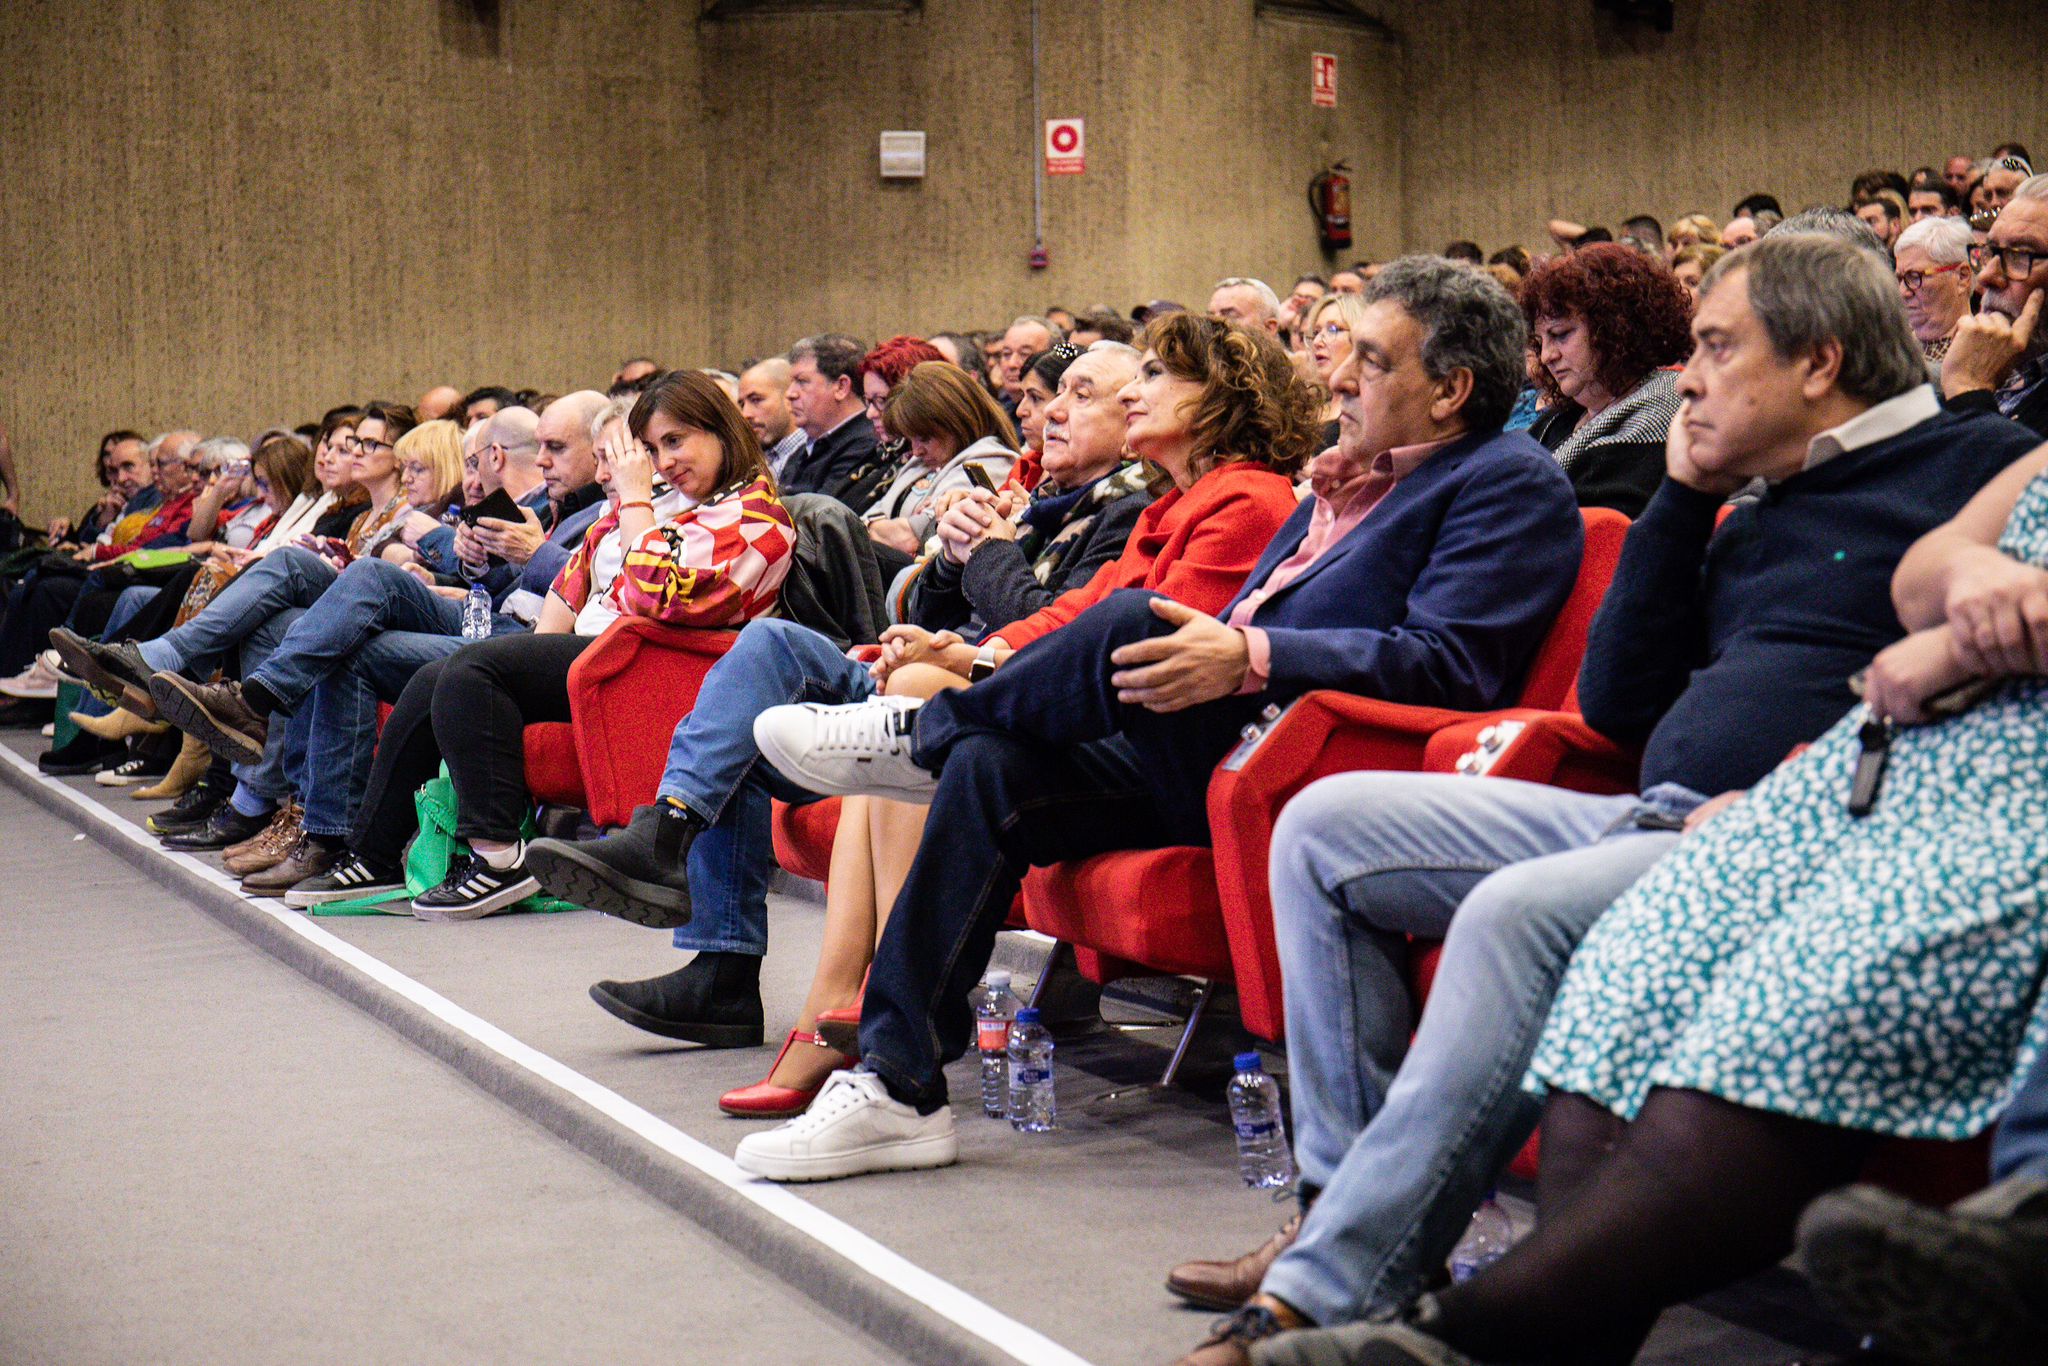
(998, 977)
(1249, 1062)
(1028, 1015)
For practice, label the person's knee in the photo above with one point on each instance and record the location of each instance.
(922, 680)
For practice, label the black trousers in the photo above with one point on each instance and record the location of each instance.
(471, 710)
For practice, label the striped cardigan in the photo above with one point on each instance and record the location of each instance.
(719, 563)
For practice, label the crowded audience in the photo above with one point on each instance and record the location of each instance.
(1011, 595)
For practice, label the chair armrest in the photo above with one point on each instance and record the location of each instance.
(1555, 748)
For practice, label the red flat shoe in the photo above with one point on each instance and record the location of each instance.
(765, 1100)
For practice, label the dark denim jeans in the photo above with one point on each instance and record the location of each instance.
(340, 717)
(715, 769)
(1037, 764)
(2021, 1148)
(370, 597)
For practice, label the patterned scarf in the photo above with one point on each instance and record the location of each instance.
(1644, 414)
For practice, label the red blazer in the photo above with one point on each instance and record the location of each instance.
(1196, 547)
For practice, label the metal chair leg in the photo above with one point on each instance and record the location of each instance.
(1204, 989)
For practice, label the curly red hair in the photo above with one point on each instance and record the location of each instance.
(1637, 315)
(896, 358)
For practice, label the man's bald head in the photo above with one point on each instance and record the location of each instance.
(508, 451)
(567, 459)
(439, 401)
(764, 400)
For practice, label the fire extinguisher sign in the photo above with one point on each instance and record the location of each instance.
(1322, 80)
(1066, 147)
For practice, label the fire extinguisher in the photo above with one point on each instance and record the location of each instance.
(1329, 198)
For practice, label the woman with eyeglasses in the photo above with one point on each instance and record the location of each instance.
(1330, 320)
(1932, 263)
(430, 472)
(882, 372)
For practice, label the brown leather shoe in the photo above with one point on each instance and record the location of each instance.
(1230, 1341)
(215, 712)
(1226, 1286)
(269, 848)
(308, 858)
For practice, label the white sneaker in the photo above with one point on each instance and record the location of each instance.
(858, 750)
(852, 1127)
(128, 773)
(35, 683)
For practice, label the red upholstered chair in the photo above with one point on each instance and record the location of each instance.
(1207, 913)
(803, 837)
(626, 694)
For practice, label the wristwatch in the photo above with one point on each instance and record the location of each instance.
(984, 664)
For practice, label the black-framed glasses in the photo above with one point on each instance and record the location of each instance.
(2017, 262)
(363, 445)
(1911, 280)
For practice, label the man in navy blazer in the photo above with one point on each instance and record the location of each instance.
(1427, 569)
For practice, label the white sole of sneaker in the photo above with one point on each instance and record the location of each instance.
(896, 1155)
(299, 900)
(502, 899)
(106, 777)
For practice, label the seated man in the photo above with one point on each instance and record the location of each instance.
(1998, 361)
(1427, 569)
(825, 402)
(1716, 653)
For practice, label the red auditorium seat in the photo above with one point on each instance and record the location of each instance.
(626, 694)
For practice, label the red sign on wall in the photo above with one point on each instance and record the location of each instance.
(1322, 76)
(1066, 147)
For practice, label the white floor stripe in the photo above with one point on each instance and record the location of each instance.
(939, 1295)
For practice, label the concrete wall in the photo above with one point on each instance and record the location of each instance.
(229, 214)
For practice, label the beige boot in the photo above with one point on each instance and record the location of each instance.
(194, 758)
(118, 725)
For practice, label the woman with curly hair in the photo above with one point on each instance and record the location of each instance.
(1603, 324)
(882, 372)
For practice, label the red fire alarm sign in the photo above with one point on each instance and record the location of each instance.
(1066, 147)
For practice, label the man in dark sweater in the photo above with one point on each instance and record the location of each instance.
(1718, 653)
(824, 398)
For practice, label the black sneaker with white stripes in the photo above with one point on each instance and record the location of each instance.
(346, 881)
(473, 889)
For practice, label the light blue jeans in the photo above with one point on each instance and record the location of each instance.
(1404, 1139)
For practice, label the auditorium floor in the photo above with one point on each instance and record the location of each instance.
(213, 1158)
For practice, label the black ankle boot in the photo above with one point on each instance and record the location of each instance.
(715, 1000)
(637, 874)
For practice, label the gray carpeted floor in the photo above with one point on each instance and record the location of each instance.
(1069, 1233)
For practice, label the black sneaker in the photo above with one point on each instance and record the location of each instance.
(353, 877)
(82, 753)
(143, 768)
(224, 827)
(473, 889)
(190, 811)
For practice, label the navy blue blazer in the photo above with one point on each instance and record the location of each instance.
(1441, 596)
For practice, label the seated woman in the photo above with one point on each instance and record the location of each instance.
(1212, 509)
(1225, 423)
(712, 551)
(951, 424)
(1330, 320)
(1041, 381)
(1848, 952)
(882, 372)
(1689, 265)
(431, 473)
(1604, 323)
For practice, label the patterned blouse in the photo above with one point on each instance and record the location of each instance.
(718, 563)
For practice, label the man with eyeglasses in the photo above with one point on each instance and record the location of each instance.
(1932, 263)
(1999, 358)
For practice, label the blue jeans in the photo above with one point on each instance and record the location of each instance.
(287, 577)
(2021, 1148)
(274, 777)
(370, 597)
(340, 717)
(1403, 1139)
(716, 771)
(131, 601)
(1037, 764)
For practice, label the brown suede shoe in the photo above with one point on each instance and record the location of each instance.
(215, 712)
(268, 849)
(308, 858)
(1226, 1286)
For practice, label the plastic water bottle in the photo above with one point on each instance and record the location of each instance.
(994, 1008)
(1263, 1159)
(1032, 1108)
(476, 613)
(1487, 1239)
